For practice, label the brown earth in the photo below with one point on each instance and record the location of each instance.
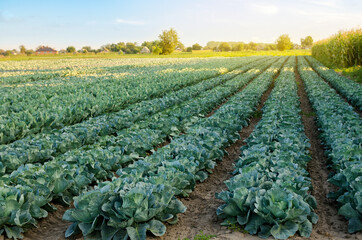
(202, 204)
(53, 227)
(201, 213)
(330, 225)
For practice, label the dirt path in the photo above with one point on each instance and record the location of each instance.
(51, 227)
(202, 204)
(330, 225)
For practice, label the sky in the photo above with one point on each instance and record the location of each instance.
(62, 23)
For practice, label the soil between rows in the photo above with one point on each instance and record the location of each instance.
(53, 227)
(330, 225)
(202, 204)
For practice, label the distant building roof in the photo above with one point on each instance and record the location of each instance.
(45, 49)
(105, 50)
(145, 50)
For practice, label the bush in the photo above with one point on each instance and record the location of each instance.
(284, 43)
(224, 47)
(196, 46)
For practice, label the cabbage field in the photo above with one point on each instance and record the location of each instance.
(156, 148)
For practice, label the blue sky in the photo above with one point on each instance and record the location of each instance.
(60, 23)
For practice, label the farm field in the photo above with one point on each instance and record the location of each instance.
(165, 148)
(194, 54)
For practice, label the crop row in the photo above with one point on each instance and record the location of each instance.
(342, 136)
(269, 192)
(27, 110)
(36, 72)
(43, 147)
(142, 196)
(112, 152)
(68, 176)
(90, 63)
(346, 87)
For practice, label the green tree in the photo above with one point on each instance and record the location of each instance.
(114, 47)
(122, 45)
(147, 44)
(252, 46)
(271, 46)
(131, 48)
(22, 49)
(29, 52)
(151, 45)
(168, 41)
(238, 47)
(87, 49)
(8, 53)
(196, 46)
(284, 43)
(156, 50)
(212, 44)
(180, 46)
(306, 42)
(189, 49)
(70, 49)
(224, 47)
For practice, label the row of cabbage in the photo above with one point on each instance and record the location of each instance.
(99, 76)
(342, 135)
(98, 91)
(111, 152)
(269, 192)
(90, 63)
(142, 197)
(44, 72)
(350, 89)
(31, 109)
(68, 175)
(43, 147)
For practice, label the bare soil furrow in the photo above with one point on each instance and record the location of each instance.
(53, 227)
(330, 225)
(202, 204)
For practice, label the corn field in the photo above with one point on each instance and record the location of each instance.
(341, 50)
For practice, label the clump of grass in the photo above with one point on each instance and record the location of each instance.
(257, 114)
(309, 114)
(236, 228)
(201, 236)
(354, 73)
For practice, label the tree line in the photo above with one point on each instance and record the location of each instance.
(169, 41)
(282, 43)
